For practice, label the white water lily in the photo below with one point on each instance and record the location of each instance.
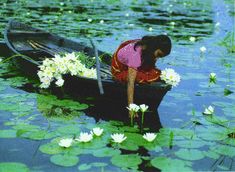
(118, 138)
(192, 39)
(59, 82)
(89, 20)
(149, 136)
(68, 63)
(133, 107)
(97, 131)
(150, 29)
(0, 60)
(65, 142)
(143, 107)
(212, 77)
(84, 137)
(209, 110)
(217, 24)
(101, 21)
(170, 77)
(127, 14)
(203, 49)
(172, 23)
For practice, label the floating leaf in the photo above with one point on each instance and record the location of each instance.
(51, 148)
(13, 166)
(26, 127)
(84, 167)
(190, 143)
(227, 92)
(106, 152)
(7, 133)
(73, 129)
(224, 150)
(230, 141)
(212, 133)
(211, 154)
(64, 160)
(171, 165)
(38, 135)
(190, 154)
(126, 161)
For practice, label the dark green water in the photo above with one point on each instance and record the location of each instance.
(199, 143)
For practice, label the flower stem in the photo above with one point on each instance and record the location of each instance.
(132, 115)
(142, 120)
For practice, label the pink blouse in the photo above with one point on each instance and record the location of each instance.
(128, 56)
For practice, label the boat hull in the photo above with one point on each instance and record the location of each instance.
(18, 42)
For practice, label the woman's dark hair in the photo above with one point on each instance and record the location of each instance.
(151, 44)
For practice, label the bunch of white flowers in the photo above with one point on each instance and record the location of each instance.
(170, 77)
(54, 68)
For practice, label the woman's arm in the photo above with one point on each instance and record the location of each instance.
(130, 84)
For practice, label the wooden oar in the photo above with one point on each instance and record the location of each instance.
(35, 45)
(97, 67)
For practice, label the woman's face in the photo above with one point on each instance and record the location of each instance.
(158, 54)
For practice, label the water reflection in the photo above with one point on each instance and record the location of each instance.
(108, 109)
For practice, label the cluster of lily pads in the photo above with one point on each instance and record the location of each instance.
(64, 151)
(85, 137)
(55, 68)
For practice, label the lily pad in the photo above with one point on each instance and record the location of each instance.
(38, 135)
(13, 166)
(99, 164)
(64, 160)
(211, 154)
(126, 161)
(171, 165)
(84, 167)
(190, 154)
(7, 133)
(51, 148)
(106, 152)
(224, 150)
(190, 143)
(69, 129)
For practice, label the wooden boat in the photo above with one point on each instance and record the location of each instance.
(36, 45)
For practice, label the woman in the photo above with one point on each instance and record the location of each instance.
(134, 61)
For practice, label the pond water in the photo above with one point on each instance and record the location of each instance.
(32, 120)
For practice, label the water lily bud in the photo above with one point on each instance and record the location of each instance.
(212, 77)
(143, 108)
(209, 110)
